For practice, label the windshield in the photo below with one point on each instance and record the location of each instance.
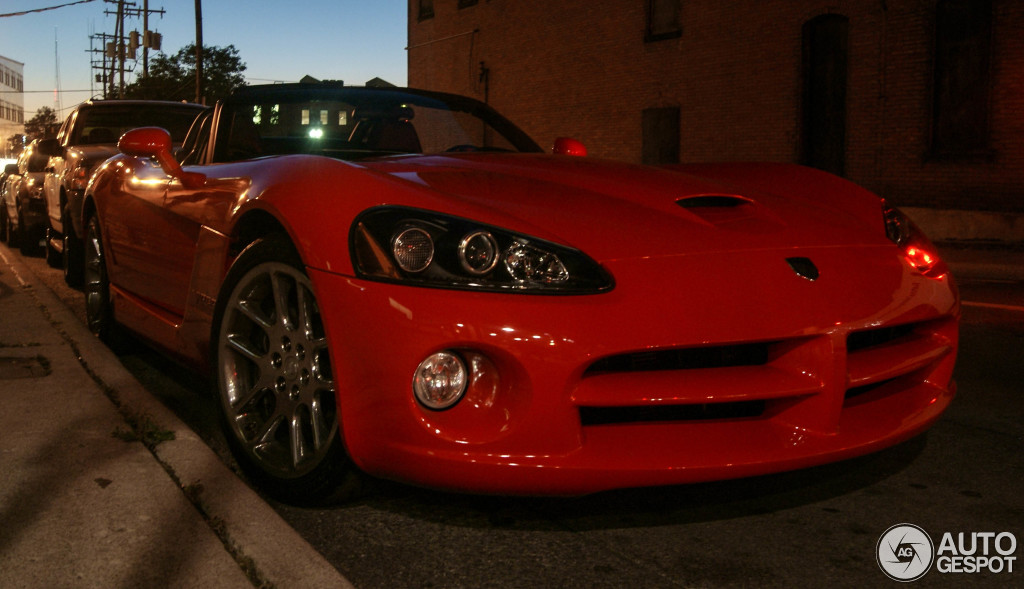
(354, 123)
(106, 123)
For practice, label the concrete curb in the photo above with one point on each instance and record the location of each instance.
(969, 226)
(972, 263)
(263, 544)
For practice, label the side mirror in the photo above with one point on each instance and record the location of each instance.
(11, 169)
(155, 142)
(569, 146)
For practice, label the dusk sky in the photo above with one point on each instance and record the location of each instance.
(351, 40)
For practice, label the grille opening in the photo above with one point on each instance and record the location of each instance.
(874, 391)
(671, 413)
(860, 340)
(685, 358)
(711, 201)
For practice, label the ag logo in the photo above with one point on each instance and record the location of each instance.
(905, 552)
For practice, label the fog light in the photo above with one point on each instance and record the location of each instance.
(440, 380)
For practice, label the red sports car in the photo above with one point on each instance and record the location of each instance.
(402, 282)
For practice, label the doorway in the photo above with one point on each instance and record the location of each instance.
(825, 56)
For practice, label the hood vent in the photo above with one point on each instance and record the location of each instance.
(712, 201)
(725, 211)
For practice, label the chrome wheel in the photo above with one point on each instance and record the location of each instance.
(275, 380)
(96, 285)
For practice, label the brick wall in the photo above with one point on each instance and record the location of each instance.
(581, 68)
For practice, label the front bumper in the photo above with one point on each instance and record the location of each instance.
(33, 215)
(699, 375)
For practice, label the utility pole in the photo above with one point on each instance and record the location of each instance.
(199, 52)
(145, 32)
(122, 46)
(119, 33)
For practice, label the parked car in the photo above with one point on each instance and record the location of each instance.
(402, 282)
(9, 169)
(88, 136)
(24, 210)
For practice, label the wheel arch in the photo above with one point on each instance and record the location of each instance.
(88, 207)
(252, 225)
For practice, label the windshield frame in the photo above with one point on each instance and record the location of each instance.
(362, 99)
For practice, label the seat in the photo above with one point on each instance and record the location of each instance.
(101, 135)
(393, 135)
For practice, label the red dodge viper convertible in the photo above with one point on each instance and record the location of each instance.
(402, 282)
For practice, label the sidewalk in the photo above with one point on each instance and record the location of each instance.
(83, 503)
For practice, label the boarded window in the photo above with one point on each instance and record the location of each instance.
(661, 135)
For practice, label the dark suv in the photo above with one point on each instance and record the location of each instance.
(86, 139)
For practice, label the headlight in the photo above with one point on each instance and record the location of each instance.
(396, 244)
(413, 249)
(918, 251)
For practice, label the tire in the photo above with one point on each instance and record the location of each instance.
(71, 258)
(99, 312)
(10, 232)
(274, 379)
(26, 245)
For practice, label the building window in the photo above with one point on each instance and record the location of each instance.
(963, 42)
(426, 9)
(467, 3)
(663, 20)
(661, 135)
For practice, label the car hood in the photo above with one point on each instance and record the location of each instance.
(90, 155)
(615, 210)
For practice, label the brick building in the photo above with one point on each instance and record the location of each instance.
(921, 101)
(12, 104)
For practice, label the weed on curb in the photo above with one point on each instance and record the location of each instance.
(143, 429)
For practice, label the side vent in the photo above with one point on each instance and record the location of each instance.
(712, 201)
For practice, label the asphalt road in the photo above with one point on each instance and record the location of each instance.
(813, 528)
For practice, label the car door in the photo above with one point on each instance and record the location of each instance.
(136, 229)
(55, 172)
(190, 223)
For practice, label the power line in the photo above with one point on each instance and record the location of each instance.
(40, 91)
(24, 12)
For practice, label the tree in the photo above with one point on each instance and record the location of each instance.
(173, 77)
(44, 124)
(15, 143)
